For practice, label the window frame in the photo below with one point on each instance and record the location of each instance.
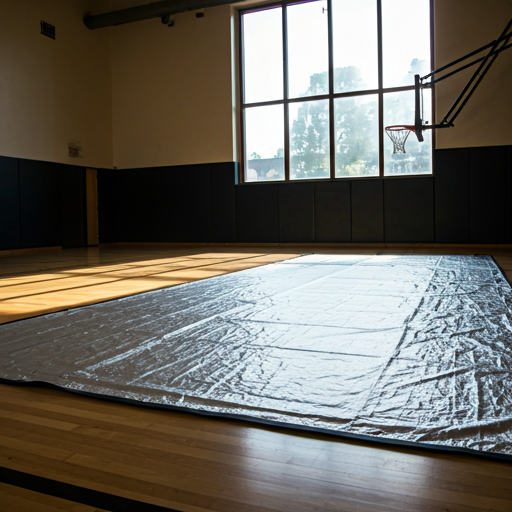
(380, 91)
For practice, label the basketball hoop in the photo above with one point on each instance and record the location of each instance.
(398, 134)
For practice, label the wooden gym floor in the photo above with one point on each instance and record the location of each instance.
(193, 463)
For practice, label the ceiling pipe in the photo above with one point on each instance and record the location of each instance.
(148, 11)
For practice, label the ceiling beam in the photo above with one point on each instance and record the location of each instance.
(148, 11)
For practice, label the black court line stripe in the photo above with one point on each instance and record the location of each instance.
(76, 494)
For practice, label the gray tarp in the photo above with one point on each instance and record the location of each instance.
(407, 348)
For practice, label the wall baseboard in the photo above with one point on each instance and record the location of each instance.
(16, 252)
(334, 245)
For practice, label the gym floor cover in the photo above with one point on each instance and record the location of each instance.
(400, 349)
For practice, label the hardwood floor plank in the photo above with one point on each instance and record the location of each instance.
(136, 454)
(17, 499)
(26, 296)
(109, 481)
(14, 502)
(30, 279)
(68, 283)
(262, 469)
(36, 420)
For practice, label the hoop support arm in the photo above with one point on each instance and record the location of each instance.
(444, 77)
(480, 73)
(449, 65)
(436, 126)
(485, 64)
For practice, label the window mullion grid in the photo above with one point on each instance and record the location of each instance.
(331, 96)
(433, 88)
(332, 135)
(381, 94)
(285, 97)
(241, 176)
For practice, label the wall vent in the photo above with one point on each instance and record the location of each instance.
(47, 29)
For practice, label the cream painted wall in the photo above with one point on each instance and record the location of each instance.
(173, 88)
(54, 91)
(172, 91)
(462, 26)
(144, 94)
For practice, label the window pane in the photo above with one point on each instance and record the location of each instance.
(405, 41)
(399, 109)
(355, 45)
(263, 55)
(264, 143)
(357, 136)
(308, 52)
(309, 140)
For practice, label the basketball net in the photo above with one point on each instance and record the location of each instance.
(398, 135)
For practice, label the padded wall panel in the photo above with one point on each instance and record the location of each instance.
(173, 184)
(107, 205)
(186, 203)
(197, 212)
(332, 211)
(10, 228)
(162, 204)
(40, 199)
(296, 212)
(257, 213)
(452, 195)
(73, 214)
(367, 203)
(509, 195)
(409, 210)
(488, 194)
(223, 178)
(138, 203)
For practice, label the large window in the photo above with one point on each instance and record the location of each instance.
(320, 81)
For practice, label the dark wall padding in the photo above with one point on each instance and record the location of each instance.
(409, 210)
(195, 196)
(257, 213)
(468, 199)
(40, 199)
(42, 204)
(297, 212)
(173, 205)
(509, 194)
(223, 178)
(73, 207)
(166, 204)
(185, 204)
(332, 211)
(367, 211)
(140, 211)
(107, 206)
(488, 201)
(10, 226)
(452, 196)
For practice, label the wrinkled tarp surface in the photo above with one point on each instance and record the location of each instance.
(407, 348)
